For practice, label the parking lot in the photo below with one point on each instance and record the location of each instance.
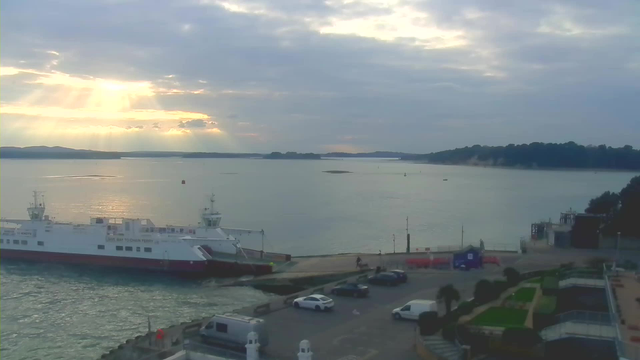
(362, 328)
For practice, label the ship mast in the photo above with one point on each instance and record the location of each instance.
(36, 210)
(210, 217)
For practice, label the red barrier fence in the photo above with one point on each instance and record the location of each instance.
(420, 263)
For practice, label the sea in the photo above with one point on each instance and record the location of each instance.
(64, 312)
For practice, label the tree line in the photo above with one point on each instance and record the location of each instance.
(537, 154)
(620, 211)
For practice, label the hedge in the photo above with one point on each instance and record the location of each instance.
(550, 285)
(546, 305)
(465, 308)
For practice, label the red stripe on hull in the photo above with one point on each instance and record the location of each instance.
(107, 261)
(192, 268)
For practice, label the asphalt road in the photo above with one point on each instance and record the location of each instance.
(372, 333)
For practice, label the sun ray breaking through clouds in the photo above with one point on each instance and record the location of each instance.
(254, 75)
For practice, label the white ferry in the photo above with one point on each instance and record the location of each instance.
(202, 250)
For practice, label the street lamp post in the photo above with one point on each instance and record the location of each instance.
(394, 243)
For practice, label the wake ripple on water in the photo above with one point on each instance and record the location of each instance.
(58, 312)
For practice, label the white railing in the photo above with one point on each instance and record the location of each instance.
(578, 329)
(625, 350)
(588, 317)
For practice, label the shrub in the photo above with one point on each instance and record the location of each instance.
(549, 285)
(428, 322)
(546, 305)
(596, 262)
(465, 308)
(484, 291)
(499, 286)
(449, 331)
(521, 337)
(512, 275)
(451, 317)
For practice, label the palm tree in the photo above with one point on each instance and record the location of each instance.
(448, 294)
(512, 275)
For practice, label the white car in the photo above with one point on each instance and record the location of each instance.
(314, 301)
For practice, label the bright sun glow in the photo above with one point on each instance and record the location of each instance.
(97, 113)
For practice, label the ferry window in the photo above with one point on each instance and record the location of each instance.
(23, 242)
(128, 248)
(220, 327)
(126, 226)
(119, 248)
(100, 247)
(99, 221)
(181, 231)
(138, 248)
(16, 242)
(40, 243)
(147, 249)
(152, 229)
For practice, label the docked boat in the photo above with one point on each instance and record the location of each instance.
(202, 250)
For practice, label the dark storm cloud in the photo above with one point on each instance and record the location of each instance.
(527, 71)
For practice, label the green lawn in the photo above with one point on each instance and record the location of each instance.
(525, 294)
(501, 317)
(537, 280)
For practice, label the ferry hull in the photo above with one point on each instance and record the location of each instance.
(208, 268)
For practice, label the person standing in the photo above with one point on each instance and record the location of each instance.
(358, 261)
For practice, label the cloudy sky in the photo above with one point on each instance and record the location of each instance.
(313, 75)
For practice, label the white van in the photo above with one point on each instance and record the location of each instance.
(232, 330)
(414, 308)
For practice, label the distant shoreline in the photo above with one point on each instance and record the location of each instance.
(528, 168)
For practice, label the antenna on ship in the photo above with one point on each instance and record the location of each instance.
(36, 210)
(210, 217)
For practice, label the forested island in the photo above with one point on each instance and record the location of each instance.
(538, 155)
(291, 155)
(56, 152)
(621, 211)
(216, 155)
(375, 154)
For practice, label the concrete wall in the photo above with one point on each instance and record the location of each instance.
(626, 243)
(184, 355)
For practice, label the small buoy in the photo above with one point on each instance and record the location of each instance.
(405, 174)
(183, 182)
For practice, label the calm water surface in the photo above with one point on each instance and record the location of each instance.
(50, 311)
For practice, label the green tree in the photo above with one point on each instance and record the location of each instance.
(512, 275)
(606, 204)
(448, 294)
(484, 291)
(627, 219)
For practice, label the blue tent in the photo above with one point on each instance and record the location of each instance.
(468, 258)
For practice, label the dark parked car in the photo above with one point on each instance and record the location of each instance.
(384, 278)
(351, 289)
(402, 276)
